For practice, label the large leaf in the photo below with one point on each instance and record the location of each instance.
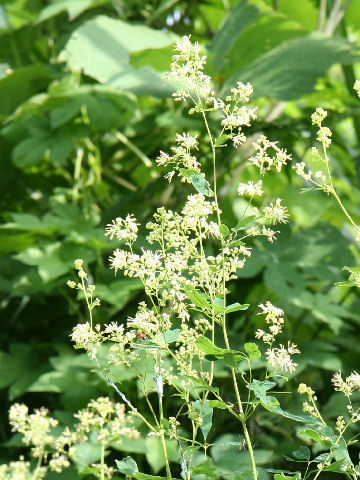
(110, 42)
(259, 37)
(238, 18)
(74, 8)
(284, 72)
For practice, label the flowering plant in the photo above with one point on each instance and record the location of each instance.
(190, 258)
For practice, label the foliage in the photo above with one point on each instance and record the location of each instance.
(84, 115)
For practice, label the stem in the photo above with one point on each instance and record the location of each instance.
(163, 443)
(333, 191)
(238, 398)
(241, 409)
(322, 14)
(131, 146)
(102, 460)
(336, 16)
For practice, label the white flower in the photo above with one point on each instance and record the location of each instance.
(123, 229)
(251, 189)
(276, 213)
(318, 116)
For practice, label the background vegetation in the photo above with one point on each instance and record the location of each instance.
(84, 114)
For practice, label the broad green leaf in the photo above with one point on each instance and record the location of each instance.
(128, 466)
(252, 350)
(323, 309)
(195, 297)
(229, 357)
(224, 230)
(206, 413)
(264, 34)
(20, 84)
(208, 347)
(111, 41)
(302, 453)
(218, 404)
(86, 453)
(284, 73)
(201, 184)
(261, 387)
(235, 307)
(283, 476)
(341, 453)
(271, 403)
(316, 436)
(244, 222)
(206, 468)
(186, 172)
(239, 17)
(171, 335)
(339, 466)
(74, 8)
(155, 453)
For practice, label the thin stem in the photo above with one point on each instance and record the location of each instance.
(236, 388)
(336, 16)
(333, 191)
(102, 464)
(131, 146)
(163, 443)
(322, 14)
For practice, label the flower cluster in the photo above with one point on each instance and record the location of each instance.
(250, 189)
(277, 357)
(274, 317)
(347, 386)
(53, 449)
(310, 406)
(275, 214)
(36, 429)
(280, 357)
(318, 178)
(123, 229)
(108, 419)
(268, 155)
(187, 69)
(182, 159)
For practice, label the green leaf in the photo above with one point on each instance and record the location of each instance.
(339, 466)
(155, 452)
(86, 453)
(128, 466)
(341, 453)
(244, 222)
(74, 8)
(208, 347)
(110, 42)
(252, 350)
(186, 172)
(206, 468)
(201, 184)
(20, 85)
(218, 404)
(206, 413)
(302, 453)
(319, 435)
(224, 230)
(235, 307)
(237, 20)
(271, 403)
(171, 335)
(284, 73)
(229, 357)
(282, 476)
(195, 297)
